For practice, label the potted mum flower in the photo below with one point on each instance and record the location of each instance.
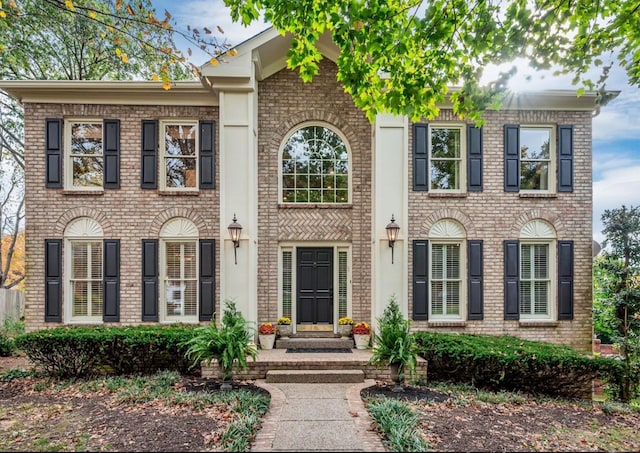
(267, 335)
(361, 334)
(344, 326)
(284, 327)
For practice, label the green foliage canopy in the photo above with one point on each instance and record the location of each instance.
(401, 56)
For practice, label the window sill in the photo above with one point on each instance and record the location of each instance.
(179, 193)
(447, 195)
(83, 192)
(538, 195)
(446, 324)
(314, 206)
(532, 323)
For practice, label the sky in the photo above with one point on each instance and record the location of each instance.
(616, 129)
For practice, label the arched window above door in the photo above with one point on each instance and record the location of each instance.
(315, 166)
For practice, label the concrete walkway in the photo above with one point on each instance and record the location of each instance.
(316, 417)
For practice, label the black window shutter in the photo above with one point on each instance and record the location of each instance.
(420, 157)
(565, 158)
(111, 280)
(149, 173)
(474, 170)
(511, 158)
(53, 139)
(475, 310)
(207, 279)
(565, 280)
(150, 280)
(53, 280)
(207, 155)
(111, 131)
(420, 280)
(511, 280)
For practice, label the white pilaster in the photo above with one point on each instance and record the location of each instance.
(238, 195)
(390, 185)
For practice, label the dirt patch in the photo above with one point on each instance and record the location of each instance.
(461, 421)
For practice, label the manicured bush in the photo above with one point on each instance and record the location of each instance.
(75, 351)
(510, 363)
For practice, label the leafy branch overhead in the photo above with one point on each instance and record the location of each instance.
(129, 35)
(401, 56)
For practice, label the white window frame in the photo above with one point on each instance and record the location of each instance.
(182, 230)
(449, 231)
(68, 157)
(540, 232)
(162, 176)
(463, 156)
(552, 177)
(349, 164)
(80, 230)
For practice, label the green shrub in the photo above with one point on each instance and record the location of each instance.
(509, 363)
(6, 345)
(75, 351)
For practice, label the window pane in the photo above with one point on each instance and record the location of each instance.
(180, 140)
(80, 257)
(288, 182)
(181, 173)
(525, 297)
(453, 298)
(453, 261)
(437, 295)
(86, 279)
(534, 143)
(445, 142)
(342, 284)
(541, 261)
(86, 138)
(534, 175)
(437, 265)
(315, 155)
(87, 171)
(181, 274)
(525, 261)
(445, 174)
(541, 297)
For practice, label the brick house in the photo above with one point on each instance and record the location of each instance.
(130, 191)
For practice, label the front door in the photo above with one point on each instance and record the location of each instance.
(315, 287)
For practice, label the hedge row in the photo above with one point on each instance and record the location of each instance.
(510, 363)
(76, 351)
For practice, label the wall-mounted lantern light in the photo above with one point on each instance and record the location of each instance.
(234, 231)
(392, 234)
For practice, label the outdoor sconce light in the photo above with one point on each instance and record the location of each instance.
(392, 234)
(234, 231)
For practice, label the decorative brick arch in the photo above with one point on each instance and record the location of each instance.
(448, 213)
(539, 213)
(274, 141)
(156, 224)
(68, 216)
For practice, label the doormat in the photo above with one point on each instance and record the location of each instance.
(328, 350)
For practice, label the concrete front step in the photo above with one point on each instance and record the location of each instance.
(314, 343)
(314, 376)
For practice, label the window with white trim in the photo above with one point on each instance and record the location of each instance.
(315, 166)
(537, 157)
(84, 154)
(84, 283)
(179, 151)
(447, 151)
(179, 270)
(537, 255)
(447, 291)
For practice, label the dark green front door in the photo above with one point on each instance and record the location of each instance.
(315, 285)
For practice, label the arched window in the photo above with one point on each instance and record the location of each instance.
(537, 258)
(179, 270)
(315, 166)
(84, 285)
(446, 268)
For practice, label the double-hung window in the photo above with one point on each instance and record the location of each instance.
(85, 157)
(179, 151)
(536, 162)
(535, 280)
(446, 280)
(446, 158)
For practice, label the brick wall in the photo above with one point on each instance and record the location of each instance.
(494, 215)
(129, 213)
(284, 103)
